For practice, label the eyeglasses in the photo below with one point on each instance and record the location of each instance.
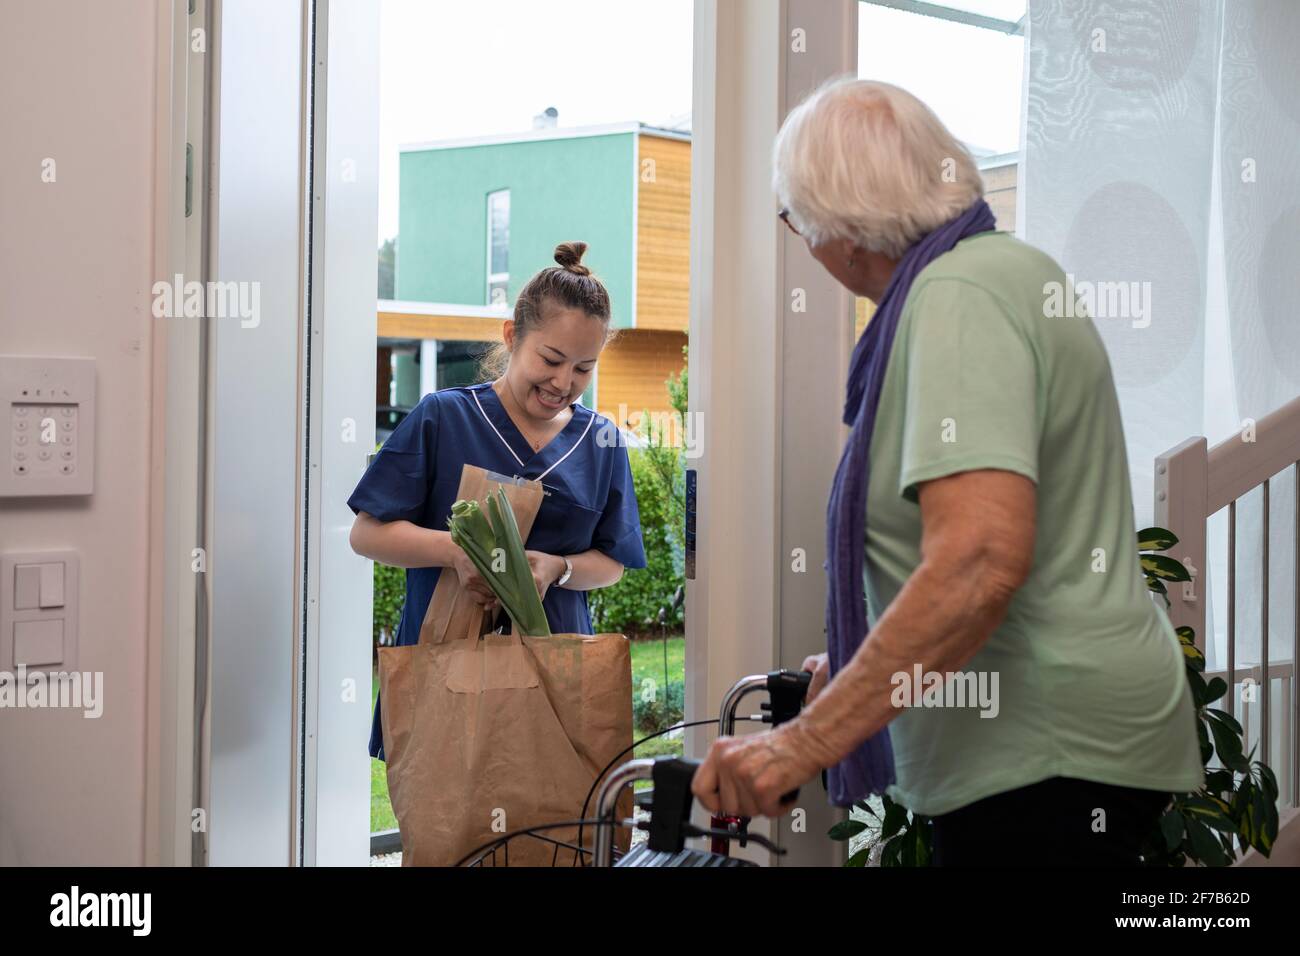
(784, 216)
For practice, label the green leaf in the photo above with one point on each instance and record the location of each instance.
(1193, 657)
(1164, 567)
(1241, 800)
(895, 819)
(1263, 815)
(1218, 781)
(1213, 813)
(1228, 747)
(1207, 749)
(1204, 846)
(846, 829)
(1215, 689)
(1268, 780)
(890, 853)
(860, 858)
(1171, 827)
(1250, 823)
(1226, 718)
(1154, 584)
(1156, 539)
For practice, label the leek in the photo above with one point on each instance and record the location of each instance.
(480, 536)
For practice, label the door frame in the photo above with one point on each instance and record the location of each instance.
(260, 679)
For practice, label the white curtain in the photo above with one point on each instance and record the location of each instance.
(1118, 151)
(1162, 145)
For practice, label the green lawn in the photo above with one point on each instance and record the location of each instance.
(647, 664)
(648, 660)
(381, 811)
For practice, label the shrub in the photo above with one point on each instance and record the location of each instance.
(632, 605)
(660, 712)
(390, 593)
(658, 476)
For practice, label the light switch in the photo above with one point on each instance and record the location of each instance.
(39, 613)
(38, 643)
(52, 585)
(27, 586)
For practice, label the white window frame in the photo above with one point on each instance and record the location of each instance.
(495, 277)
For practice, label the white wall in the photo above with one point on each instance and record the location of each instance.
(75, 270)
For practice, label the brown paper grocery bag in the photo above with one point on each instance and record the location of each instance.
(485, 735)
(452, 613)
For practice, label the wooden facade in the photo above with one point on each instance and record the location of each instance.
(1000, 193)
(397, 323)
(863, 309)
(663, 233)
(632, 373)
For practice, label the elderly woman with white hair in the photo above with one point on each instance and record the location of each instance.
(994, 659)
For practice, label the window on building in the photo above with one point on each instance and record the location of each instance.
(498, 251)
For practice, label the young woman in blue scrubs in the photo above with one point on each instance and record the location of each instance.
(526, 423)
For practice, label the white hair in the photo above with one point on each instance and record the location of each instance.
(869, 162)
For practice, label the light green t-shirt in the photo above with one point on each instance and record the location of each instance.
(1090, 679)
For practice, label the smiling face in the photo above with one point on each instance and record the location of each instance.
(551, 365)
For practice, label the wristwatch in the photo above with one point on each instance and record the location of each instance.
(568, 571)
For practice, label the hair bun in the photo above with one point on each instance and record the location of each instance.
(569, 256)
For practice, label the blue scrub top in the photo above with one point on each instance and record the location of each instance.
(584, 470)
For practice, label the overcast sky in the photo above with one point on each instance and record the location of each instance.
(451, 69)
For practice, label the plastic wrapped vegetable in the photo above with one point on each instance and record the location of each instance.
(492, 542)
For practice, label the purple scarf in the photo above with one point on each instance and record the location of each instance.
(870, 768)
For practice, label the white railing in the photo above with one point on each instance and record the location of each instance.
(1194, 483)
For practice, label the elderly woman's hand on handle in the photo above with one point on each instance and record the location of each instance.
(819, 665)
(748, 776)
(754, 775)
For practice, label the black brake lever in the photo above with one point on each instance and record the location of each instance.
(787, 691)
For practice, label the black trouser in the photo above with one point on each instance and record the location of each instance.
(1051, 823)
